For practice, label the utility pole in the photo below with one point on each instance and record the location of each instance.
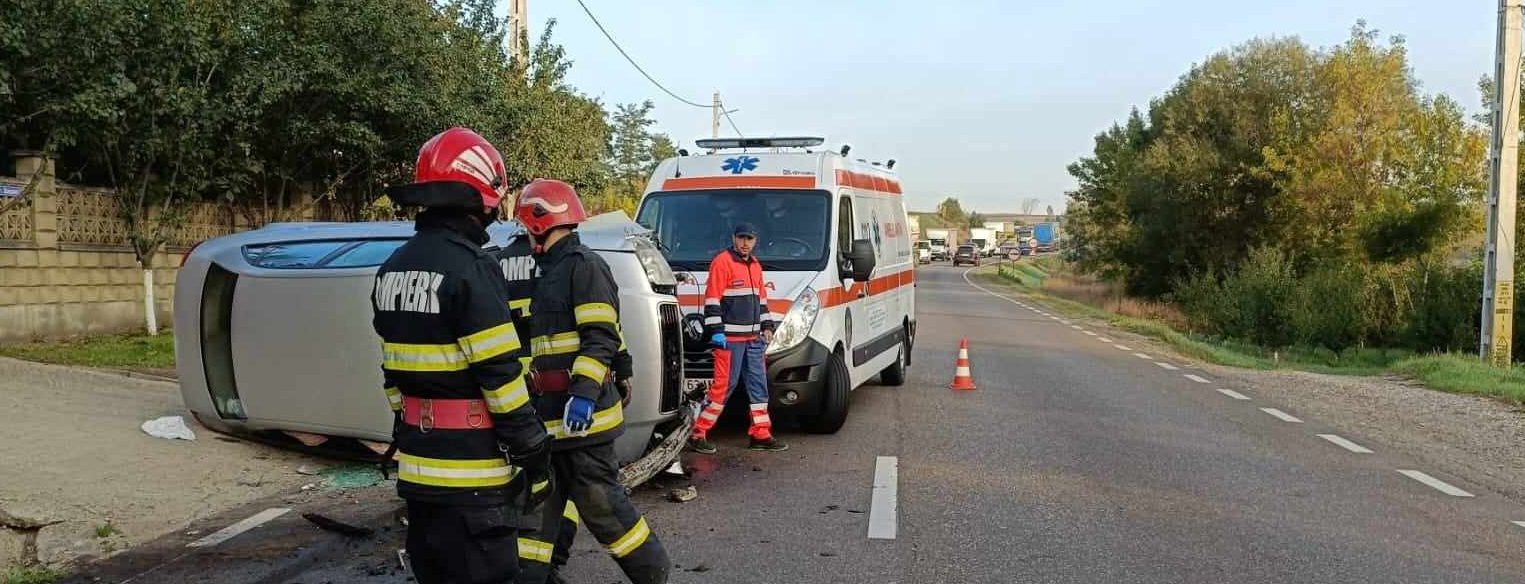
(1503, 169)
(518, 21)
(715, 117)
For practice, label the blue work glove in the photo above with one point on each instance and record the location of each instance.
(718, 340)
(578, 416)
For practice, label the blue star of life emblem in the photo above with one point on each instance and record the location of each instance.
(740, 164)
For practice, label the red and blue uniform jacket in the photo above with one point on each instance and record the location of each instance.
(736, 297)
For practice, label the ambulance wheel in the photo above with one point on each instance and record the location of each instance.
(833, 398)
(894, 375)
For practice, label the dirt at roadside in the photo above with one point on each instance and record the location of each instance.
(76, 460)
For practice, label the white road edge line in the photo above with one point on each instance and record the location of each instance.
(1233, 394)
(882, 505)
(1104, 340)
(1434, 483)
(1519, 523)
(1089, 333)
(1197, 378)
(1121, 347)
(1167, 366)
(1142, 356)
(1280, 415)
(233, 530)
(1346, 444)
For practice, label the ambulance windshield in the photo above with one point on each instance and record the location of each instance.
(793, 226)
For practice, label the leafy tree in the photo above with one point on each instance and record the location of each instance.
(951, 212)
(976, 220)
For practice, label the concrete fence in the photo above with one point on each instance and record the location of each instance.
(66, 266)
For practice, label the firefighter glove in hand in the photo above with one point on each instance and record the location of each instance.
(578, 416)
(718, 340)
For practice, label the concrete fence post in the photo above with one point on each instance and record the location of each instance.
(32, 165)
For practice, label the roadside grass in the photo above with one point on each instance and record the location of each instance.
(32, 576)
(131, 350)
(1444, 372)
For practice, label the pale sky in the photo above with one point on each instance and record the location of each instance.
(987, 101)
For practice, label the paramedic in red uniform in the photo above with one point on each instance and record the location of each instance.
(739, 325)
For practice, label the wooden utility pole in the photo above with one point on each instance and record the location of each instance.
(1498, 270)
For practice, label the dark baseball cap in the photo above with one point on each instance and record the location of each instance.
(744, 228)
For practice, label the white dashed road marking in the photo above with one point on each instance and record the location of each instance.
(1233, 394)
(882, 506)
(1197, 378)
(1142, 356)
(233, 530)
(1167, 366)
(1280, 415)
(1519, 523)
(1346, 444)
(1104, 340)
(1075, 326)
(1090, 333)
(1435, 483)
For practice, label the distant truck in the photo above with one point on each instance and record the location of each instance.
(983, 240)
(941, 241)
(1047, 236)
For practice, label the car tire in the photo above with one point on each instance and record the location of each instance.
(833, 398)
(894, 375)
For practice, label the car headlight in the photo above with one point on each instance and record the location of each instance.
(797, 322)
(657, 270)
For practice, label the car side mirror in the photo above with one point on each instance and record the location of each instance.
(860, 261)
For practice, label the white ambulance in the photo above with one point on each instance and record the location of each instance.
(837, 255)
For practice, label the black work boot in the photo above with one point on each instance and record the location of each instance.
(701, 445)
(768, 445)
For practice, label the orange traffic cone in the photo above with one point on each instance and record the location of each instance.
(962, 379)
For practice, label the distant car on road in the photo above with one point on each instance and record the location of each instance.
(966, 254)
(923, 252)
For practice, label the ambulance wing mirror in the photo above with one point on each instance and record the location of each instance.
(860, 261)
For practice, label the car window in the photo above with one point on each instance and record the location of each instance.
(333, 253)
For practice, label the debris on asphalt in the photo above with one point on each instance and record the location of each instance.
(683, 495)
(756, 469)
(700, 568)
(248, 479)
(829, 508)
(828, 554)
(169, 427)
(351, 477)
(336, 526)
(676, 470)
(859, 511)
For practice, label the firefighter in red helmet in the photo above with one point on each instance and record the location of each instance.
(574, 341)
(450, 360)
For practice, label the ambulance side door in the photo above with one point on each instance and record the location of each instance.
(854, 325)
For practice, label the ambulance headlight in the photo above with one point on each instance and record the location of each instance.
(657, 270)
(797, 323)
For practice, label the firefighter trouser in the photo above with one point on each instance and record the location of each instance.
(451, 544)
(565, 537)
(589, 477)
(740, 361)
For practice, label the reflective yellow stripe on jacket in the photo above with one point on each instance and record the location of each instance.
(406, 357)
(590, 368)
(491, 342)
(557, 344)
(440, 472)
(595, 312)
(394, 398)
(534, 550)
(632, 539)
(509, 397)
(603, 421)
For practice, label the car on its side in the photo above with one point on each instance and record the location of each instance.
(274, 339)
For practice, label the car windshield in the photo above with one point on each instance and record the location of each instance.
(694, 226)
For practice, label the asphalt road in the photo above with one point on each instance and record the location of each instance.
(1075, 461)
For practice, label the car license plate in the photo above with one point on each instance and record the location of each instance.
(693, 384)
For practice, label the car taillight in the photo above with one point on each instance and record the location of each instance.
(187, 254)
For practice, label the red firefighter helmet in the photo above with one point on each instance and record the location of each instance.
(547, 204)
(456, 168)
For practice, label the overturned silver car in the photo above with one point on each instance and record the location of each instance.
(274, 340)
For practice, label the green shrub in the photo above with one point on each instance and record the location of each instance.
(1327, 308)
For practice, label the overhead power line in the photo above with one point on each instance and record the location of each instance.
(637, 66)
(731, 121)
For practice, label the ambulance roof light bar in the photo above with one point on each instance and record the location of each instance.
(780, 142)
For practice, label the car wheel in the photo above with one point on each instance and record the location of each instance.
(833, 399)
(894, 375)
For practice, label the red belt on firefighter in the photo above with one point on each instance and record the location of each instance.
(445, 414)
(554, 380)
